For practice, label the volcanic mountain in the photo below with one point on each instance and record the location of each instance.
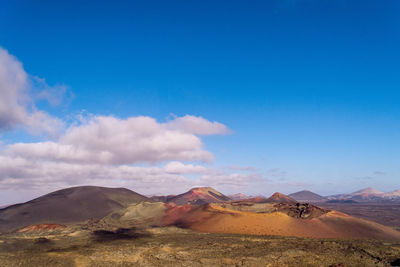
(307, 196)
(281, 198)
(69, 205)
(275, 198)
(198, 196)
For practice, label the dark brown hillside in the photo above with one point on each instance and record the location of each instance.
(68, 206)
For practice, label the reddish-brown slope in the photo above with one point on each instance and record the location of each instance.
(198, 196)
(174, 213)
(216, 219)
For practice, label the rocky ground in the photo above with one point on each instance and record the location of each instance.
(170, 246)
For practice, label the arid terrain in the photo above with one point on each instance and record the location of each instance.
(171, 246)
(201, 227)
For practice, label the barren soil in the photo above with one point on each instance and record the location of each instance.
(170, 246)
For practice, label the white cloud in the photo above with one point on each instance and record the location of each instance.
(109, 140)
(17, 107)
(180, 168)
(197, 125)
(101, 150)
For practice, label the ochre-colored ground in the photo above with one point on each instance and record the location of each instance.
(215, 219)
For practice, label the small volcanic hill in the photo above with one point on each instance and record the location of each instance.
(307, 196)
(69, 205)
(283, 219)
(281, 198)
(198, 196)
(275, 198)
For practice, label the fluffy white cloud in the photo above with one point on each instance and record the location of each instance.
(198, 125)
(102, 150)
(16, 104)
(109, 140)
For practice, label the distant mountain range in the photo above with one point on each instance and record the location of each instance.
(368, 195)
(365, 195)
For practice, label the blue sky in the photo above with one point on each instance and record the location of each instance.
(308, 87)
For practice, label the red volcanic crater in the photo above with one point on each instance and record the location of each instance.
(198, 196)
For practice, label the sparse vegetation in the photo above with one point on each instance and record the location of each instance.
(171, 246)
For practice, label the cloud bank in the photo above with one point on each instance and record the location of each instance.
(105, 150)
(110, 140)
